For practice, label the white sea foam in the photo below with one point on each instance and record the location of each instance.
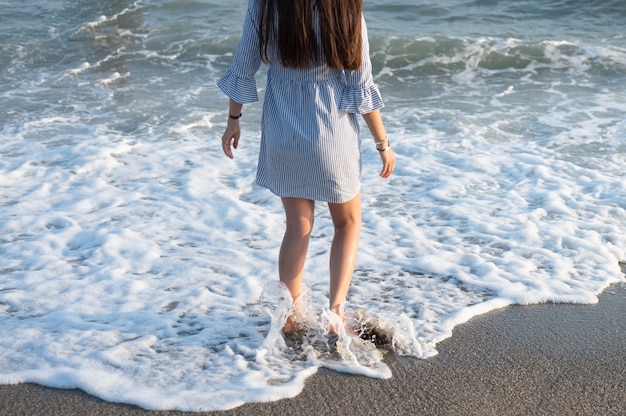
(139, 264)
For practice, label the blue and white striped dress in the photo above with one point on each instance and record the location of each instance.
(310, 145)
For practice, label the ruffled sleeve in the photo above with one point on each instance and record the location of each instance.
(361, 95)
(361, 100)
(238, 82)
(240, 89)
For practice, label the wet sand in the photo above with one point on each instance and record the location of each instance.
(551, 359)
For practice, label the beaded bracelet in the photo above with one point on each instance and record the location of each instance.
(380, 142)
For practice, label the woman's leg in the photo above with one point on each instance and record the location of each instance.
(347, 221)
(299, 214)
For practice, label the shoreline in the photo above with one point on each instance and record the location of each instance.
(535, 359)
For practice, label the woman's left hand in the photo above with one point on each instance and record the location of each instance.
(230, 138)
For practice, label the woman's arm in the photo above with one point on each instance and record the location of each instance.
(376, 127)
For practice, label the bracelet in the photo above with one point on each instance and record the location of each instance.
(234, 117)
(381, 142)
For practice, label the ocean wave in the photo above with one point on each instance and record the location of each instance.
(440, 55)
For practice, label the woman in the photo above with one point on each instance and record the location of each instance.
(319, 78)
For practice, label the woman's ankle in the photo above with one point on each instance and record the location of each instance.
(337, 322)
(337, 309)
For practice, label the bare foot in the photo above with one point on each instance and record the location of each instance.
(293, 324)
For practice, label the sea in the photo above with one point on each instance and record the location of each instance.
(139, 264)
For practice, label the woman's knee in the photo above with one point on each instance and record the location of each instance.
(299, 214)
(346, 215)
(300, 227)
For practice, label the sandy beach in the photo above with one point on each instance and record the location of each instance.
(552, 359)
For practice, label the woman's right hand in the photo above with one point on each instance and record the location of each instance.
(388, 157)
(375, 125)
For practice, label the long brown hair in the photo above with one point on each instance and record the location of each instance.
(296, 38)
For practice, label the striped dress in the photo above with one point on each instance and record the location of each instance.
(310, 145)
